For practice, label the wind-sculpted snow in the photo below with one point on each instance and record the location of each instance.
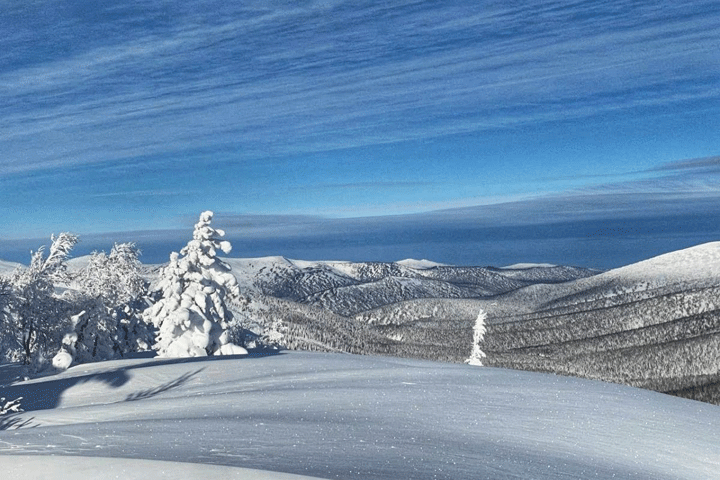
(349, 417)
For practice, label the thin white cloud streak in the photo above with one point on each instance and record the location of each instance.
(697, 165)
(297, 88)
(138, 193)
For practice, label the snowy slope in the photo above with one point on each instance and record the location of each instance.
(523, 266)
(687, 270)
(344, 416)
(6, 268)
(76, 264)
(419, 264)
(654, 324)
(692, 264)
(23, 467)
(692, 267)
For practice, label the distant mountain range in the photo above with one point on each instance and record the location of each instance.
(654, 324)
(347, 288)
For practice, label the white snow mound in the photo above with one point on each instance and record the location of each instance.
(419, 264)
(527, 266)
(688, 265)
(345, 416)
(24, 467)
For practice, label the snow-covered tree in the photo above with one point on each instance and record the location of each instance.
(274, 334)
(191, 316)
(116, 277)
(109, 291)
(35, 310)
(6, 324)
(477, 355)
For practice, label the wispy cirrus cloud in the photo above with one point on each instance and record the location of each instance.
(283, 80)
(378, 185)
(699, 165)
(137, 193)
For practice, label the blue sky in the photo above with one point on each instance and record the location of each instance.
(132, 117)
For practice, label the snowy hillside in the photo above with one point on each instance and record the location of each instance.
(694, 267)
(419, 264)
(654, 324)
(695, 264)
(6, 268)
(348, 417)
(348, 288)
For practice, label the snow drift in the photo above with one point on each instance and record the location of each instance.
(345, 416)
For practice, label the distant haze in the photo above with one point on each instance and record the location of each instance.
(478, 236)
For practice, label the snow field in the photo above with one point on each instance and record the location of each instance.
(23, 467)
(346, 416)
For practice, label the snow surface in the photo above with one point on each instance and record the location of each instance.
(527, 266)
(346, 416)
(56, 468)
(76, 264)
(681, 266)
(6, 268)
(420, 264)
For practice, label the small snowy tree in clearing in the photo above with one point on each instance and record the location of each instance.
(191, 316)
(36, 310)
(477, 355)
(108, 292)
(274, 335)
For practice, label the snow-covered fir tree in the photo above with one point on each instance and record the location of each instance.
(477, 355)
(191, 316)
(35, 310)
(109, 292)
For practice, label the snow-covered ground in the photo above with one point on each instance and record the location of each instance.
(346, 416)
(527, 266)
(689, 265)
(56, 468)
(419, 264)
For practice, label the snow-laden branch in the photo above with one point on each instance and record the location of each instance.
(10, 406)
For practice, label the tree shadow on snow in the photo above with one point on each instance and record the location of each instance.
(15, 420)
(151, 392)
(46, 394)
